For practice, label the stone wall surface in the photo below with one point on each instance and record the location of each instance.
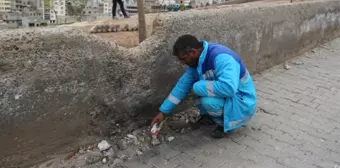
(60, 85)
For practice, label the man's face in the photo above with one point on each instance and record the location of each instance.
(189, 58)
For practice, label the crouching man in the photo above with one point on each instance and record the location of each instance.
(223, 86)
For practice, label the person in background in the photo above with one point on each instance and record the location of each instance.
(181, 6)
(220, 80)
(121, 5)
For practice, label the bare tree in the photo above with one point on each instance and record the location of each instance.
(141, 21)
(76, 7)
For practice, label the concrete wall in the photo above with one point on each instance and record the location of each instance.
(58, 86)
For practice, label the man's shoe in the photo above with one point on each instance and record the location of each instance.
(205, 120)
(218, 132)
(127, 16)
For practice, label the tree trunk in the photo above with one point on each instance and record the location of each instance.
(141, 21)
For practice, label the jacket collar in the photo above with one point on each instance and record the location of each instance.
(202, 57)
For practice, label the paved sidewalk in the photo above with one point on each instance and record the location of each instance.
(296, 124)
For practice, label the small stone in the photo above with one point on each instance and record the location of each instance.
(298, 63)
(137, 132)
(171, 138)
(122, 144)
(134, 28)
(117, 28)
(103, 145)
(183, 131)
(182, 118)
(313, 51)
(117, 161)
(122, 156)
(161, 138)
(110, 153)
(139, 153)
(141, 138)
(134, 138)
(126, 27)
(155, 141)
(147, 139)
(16, 97)
(92, 157)
(286, 66)
(81, 151)
(131, 136)
(94, 29)
(175, 118)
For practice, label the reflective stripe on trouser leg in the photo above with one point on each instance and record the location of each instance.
(217, 117)
(214, 107)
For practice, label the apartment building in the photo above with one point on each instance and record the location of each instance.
(107, 7)
(5, 6)
(57, 8)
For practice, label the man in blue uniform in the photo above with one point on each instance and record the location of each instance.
(218, 77)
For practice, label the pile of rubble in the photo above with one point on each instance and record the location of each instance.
(114, 151)
(112, 28)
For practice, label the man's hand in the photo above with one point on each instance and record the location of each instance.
(157, 119)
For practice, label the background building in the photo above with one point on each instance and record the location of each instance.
(57, 9)
(5, 6)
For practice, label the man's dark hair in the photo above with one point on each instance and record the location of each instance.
(184, 43)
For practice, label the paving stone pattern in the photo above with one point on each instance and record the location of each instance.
(296, 124)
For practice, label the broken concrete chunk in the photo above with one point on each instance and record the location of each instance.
(122, 144)
(286, 66)
(112, 28)
(171, 138)
(110, 153)
(117, 28)
(134, 28)
(139, 153)
(122, 155)
(141, 138)
(93, 157)
(161, 138)
(126, 27)
(298, 63)
(134, 138)
(155, 141)
(103, 145)
(94, 29)
(117, 161)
